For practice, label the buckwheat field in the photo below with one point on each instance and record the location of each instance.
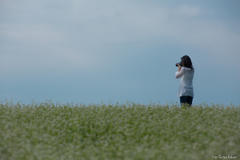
(128, 131)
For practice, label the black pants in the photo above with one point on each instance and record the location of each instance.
(186, 99)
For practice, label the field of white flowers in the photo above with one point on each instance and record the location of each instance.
(50, 131)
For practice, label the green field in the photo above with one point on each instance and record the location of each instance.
(50, 131)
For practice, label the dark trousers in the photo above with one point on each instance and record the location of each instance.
(186, 99)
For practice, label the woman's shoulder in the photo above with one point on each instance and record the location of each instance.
(188, 69)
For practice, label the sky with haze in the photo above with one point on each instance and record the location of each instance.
(91, 51)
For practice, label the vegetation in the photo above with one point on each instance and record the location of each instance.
(118, 131)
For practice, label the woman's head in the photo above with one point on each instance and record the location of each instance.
(186, 61)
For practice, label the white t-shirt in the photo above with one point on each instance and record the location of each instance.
(186, 85)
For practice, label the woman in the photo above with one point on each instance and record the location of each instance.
(186, 72)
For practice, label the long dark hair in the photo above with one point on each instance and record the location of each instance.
(186, 60)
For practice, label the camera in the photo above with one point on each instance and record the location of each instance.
(179, 64)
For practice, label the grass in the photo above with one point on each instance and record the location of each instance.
(127, 131)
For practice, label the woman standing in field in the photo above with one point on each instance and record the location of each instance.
(186, 72)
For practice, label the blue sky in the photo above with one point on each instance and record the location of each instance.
(88, 51)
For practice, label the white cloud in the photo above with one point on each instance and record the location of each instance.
(31, 33)
(78, 60)
(185, 24)
(99, 23)
(62, 39)
(211, 37)
(52, 62)
(190, 11)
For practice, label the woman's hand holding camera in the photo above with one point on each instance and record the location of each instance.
(179, 67)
